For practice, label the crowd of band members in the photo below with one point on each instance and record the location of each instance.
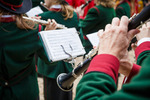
(23, 80)
(89, 20)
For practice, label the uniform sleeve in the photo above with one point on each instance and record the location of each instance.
(90, 20)
(135, 70)
(98, 84)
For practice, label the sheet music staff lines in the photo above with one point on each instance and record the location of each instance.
(62, 44)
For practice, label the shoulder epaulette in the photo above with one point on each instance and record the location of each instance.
(96, 9)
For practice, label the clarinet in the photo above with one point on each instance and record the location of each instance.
(86, 4)
(65, 81)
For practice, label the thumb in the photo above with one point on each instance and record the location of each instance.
(132, 33)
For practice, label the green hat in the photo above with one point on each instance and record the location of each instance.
(16, 6)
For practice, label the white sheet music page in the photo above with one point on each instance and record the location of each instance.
(93, 38)
(62, 44)
(34, 11)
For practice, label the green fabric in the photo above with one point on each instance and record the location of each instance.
(54, 69)
(36, 2)
(97, 18)
(71, 22)
(99, 86)
(123, 9)
(17, 49)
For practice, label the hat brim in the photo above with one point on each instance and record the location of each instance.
(27, 5)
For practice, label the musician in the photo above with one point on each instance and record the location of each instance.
(96, 18)
(123, 9)
(63, 14)
(99, 82)
(18, 43)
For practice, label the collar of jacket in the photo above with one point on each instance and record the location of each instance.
(56, 8)
(7, 18)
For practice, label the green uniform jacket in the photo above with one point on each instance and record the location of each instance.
(54, 69)
(99, 81)
(18, 79)
(97, 18)
(123, 9)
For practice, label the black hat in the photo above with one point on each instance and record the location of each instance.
(16, 6)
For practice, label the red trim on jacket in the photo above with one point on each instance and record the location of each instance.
(97, 10)
(105, 63)
(122, 2)
(120, 7)
(7, 19)
(89, 6)
(141, 48)
(11, 5)
(55, 9)
(85, 37)
(40, 27)
(135, 70)
(78, 16)
(81, 17)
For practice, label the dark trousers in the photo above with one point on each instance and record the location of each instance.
(53, 92)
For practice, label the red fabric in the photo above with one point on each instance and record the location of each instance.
(135, 7)
(141, 48)
(81, 17)
(105, 63)
(74, 3)
(55, 9)
(91, 4)
(8, 4)
(11, 5)
(135, 70)
(85, 38)
(7, 19)
(97, 10)
(77, 3)
(40, 27)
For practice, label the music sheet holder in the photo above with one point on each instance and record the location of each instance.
(62, 44)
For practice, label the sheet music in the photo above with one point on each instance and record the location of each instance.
(93, 38)
(34, 11)
(62, 44)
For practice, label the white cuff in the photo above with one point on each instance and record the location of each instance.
(143, 40)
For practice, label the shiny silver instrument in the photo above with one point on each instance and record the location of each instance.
(43, 22)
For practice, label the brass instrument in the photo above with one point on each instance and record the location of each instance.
(43, 22)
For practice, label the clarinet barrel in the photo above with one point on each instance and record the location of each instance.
(65, 81)
(138, 21)
(141, 18)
